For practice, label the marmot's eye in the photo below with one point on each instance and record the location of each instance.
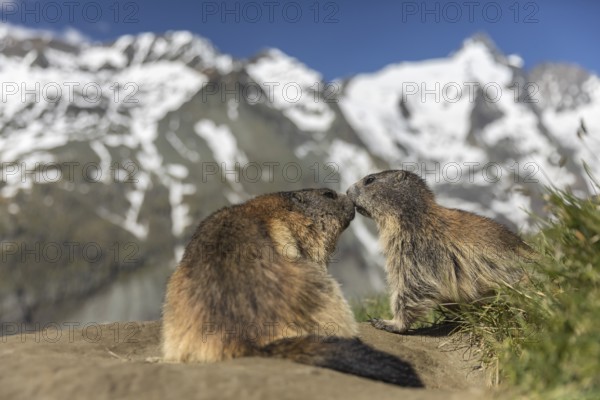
(330, 194)
(369, 180)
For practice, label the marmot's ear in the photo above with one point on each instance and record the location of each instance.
(401, 175)
(297, 197)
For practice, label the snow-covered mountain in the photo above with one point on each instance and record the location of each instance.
(123, 147)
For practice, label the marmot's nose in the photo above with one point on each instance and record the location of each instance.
(352, 192)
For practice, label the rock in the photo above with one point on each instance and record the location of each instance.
(122, 360)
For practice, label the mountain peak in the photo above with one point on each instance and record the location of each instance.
(484, 45)
(271, 53)
(273, 62)
(483, 39)
(183, 46)
(68, 36)
(480, 43)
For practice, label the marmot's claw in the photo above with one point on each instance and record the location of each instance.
(385, 325)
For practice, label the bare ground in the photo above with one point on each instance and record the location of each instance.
(122, 360)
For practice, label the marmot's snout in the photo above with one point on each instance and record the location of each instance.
(353, 194)
(348, 207)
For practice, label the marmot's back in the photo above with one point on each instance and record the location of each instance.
(244, 282)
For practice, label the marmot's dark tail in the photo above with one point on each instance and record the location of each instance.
(351, 356)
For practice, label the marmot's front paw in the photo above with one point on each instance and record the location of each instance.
(387, 325)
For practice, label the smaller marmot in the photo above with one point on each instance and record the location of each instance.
(253, 281)
(434, 254)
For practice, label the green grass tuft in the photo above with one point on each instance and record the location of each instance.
(544, 336)
(377, 306)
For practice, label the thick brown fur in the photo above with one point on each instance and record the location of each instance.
(253, 281)
(434, 254)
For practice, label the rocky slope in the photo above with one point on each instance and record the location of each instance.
(123, 361)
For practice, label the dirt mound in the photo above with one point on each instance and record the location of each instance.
(121, 360)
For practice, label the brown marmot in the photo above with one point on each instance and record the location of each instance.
(434, 254)
(253, 281)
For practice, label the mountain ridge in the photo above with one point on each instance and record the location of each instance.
(174, 129)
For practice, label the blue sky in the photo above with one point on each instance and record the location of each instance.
(342, 37)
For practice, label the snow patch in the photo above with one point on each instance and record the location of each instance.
(221, 142)
(294, 89)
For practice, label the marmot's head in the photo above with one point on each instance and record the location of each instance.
(316, 218)
(394, 193)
